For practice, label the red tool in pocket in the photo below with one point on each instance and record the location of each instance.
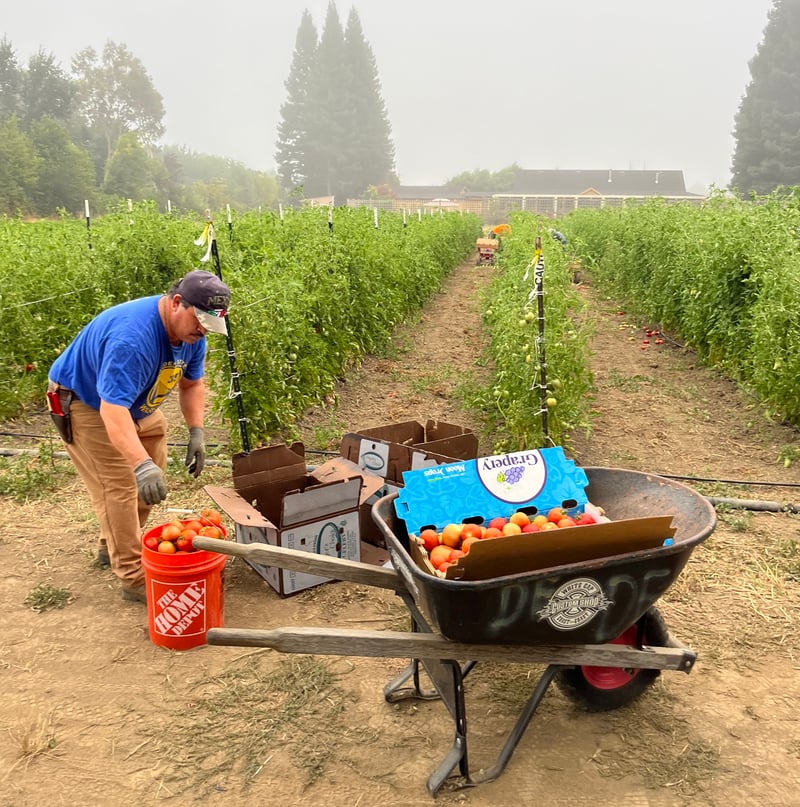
(58, 402)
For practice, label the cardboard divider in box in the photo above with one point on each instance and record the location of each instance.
(533, 481)
(392, 449)
(278, 501)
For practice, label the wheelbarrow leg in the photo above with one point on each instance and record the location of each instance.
(448, 677)
(519, 727)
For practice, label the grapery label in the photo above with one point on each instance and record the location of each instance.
(180, 609)
(514, 478)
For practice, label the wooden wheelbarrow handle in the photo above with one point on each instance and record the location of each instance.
(308, 562)
(396, 644)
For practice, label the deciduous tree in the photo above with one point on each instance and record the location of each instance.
(46, 90)
(117, 96)
(19, 169)
(66, 175)
(10, 81)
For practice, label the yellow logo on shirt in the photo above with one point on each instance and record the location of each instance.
(168, 378)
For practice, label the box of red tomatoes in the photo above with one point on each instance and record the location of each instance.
(512, 513)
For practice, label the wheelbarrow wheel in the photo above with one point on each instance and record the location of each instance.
(600, 689)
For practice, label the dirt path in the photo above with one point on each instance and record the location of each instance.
(94, 714)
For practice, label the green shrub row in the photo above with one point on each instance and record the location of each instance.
(724, 278)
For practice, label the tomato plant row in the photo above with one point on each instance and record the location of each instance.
(540, 362)
(724, 278)
(308, 299)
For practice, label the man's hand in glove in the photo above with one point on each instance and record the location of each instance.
(150, 482)
(196, 453)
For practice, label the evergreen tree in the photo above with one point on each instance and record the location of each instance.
(767, 124)
(291, 146)
(368, 147)
(327, 119)
(334, 138)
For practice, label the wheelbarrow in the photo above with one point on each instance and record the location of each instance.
(592, 624)
(487, 250)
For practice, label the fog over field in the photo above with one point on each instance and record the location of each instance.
(578, 84)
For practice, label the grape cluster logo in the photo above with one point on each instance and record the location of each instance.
(511, 476)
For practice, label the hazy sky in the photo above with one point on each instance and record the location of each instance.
(570, 84)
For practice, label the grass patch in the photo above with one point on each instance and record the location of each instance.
(629, 383)
(27, 477)
(45, 596)
(34, 735)
(736, 519)
(250, 712)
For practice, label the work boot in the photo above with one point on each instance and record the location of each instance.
(134, 594)
(103, 559)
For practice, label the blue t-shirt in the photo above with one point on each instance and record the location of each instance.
(124, 357)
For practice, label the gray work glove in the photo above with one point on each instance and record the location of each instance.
(196, 453)
(150, 481)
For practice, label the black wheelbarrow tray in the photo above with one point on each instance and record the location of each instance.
(592, 624)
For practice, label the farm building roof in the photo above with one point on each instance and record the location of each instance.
(556, 182)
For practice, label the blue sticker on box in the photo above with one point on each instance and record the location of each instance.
(490, 486)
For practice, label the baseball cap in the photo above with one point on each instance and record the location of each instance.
(209, 297)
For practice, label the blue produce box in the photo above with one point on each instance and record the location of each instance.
(534, 481)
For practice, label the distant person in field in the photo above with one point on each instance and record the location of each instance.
(560, 237)
(110, 381)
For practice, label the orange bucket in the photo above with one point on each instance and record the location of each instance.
(185, 594)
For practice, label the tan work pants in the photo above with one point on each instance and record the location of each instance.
(111, 484)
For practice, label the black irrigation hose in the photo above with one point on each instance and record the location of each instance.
(741, 482)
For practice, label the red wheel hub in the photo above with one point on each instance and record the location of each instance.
(613, 677)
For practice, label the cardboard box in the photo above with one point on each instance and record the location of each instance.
(532, 481)
(390, 450)
(276, 500)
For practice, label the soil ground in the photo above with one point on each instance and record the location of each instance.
(95, 714)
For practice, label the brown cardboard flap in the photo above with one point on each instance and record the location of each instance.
(408, 433)
(267, 465)
(320, 501)
(458, 442)
(338, 468)
(240, 510)
(529, 552)
(399, 447)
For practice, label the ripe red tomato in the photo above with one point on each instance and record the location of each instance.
(214, 516)
(430, 539)
(184, 543)
(151, 542)
(170, 532)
